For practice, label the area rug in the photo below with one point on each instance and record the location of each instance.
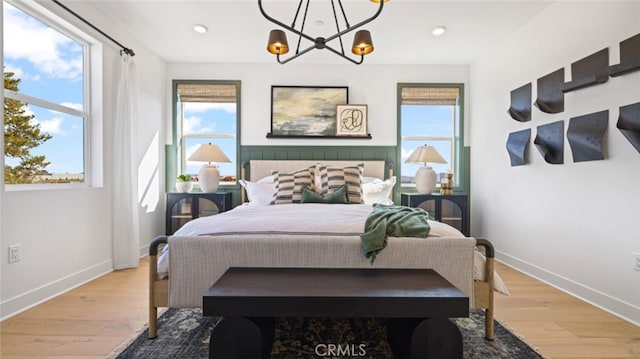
(184, 333)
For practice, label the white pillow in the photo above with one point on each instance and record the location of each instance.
(268, 179)
(378, 192)
(259, 193)
(366, 179)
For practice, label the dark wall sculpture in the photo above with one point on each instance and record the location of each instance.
(589, 71)
(550, 96)
(520, 109)
(585, 134)
(629, 57)
(629, 124)
(550, 142)
(517, 144)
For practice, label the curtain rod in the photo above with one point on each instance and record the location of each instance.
(126, 50)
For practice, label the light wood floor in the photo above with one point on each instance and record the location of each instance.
(95, 319)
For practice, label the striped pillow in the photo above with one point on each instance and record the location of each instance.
(289, 185)
(322, 179)
(351, 176)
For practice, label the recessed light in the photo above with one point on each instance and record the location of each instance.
(200, 29)
(439, 30)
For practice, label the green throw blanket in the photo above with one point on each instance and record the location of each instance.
(392, 221)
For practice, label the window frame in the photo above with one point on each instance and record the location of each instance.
(459, 151)
(176, 162)
(91, 111)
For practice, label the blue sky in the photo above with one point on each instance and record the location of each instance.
(49, 65)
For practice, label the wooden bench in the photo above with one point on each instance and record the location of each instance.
(417, 303)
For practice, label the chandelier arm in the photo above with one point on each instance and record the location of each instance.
(335, 17)
(364, 22)
(344, 15)
(287, 27)
(295, 56)
(295, 18)
(304, 21)
(344, 56)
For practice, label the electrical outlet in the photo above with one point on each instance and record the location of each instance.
(15, 254)
(636, 261)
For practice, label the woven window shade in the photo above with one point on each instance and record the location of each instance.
(207, 93)
(430, 96)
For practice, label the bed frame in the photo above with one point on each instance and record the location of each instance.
(483, 291)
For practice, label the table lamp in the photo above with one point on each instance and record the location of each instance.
(209, 176)
(425, 176)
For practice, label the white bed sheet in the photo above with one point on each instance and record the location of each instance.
(335, 219)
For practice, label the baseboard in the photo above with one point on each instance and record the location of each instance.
(144, 251)
(22, 302)
(617, 307)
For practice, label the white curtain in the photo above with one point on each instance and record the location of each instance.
(126, 241)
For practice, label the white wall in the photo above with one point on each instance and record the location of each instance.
(572, 225)
(374, 85)
(66, 234)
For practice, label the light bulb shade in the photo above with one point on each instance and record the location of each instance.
(425, 154)
(362, 43)
(278, 44)
(209, 153)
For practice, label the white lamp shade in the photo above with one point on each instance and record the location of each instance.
(425, 180)
(209, 178)
(209, 153)
(425, 154)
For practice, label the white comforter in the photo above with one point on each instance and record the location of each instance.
(334, 219)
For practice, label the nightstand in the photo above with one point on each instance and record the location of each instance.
(183, 207)
(452, 209)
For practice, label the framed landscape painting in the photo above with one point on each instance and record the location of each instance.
(304, 111)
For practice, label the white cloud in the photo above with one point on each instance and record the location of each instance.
(18, 72)
(193, 124)
(52, 126)
(47, 49)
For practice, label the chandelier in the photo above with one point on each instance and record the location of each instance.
(362, 44)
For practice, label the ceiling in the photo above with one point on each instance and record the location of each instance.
(238, 32)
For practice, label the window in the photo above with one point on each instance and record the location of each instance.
(431, 114)
(46, 106)
(207, 112)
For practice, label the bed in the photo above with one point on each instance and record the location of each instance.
(297, 235)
